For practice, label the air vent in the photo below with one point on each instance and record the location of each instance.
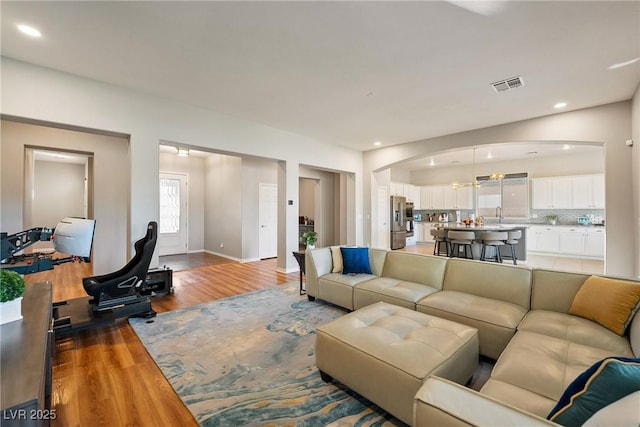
(504, 85)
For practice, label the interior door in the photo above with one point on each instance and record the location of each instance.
(268, 218)
(172, 235)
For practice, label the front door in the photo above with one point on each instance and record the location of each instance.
(172, 236)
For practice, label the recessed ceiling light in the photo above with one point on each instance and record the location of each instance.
(489, 155)
(432, 162)
(377, 143)
(29, 30)
(560, 105)
(566, 147)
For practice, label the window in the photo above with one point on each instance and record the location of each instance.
(511, 194)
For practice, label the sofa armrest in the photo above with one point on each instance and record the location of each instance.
(318, 262)
(444, 403)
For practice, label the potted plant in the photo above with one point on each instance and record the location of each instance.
(552, 219)
(11, 289)
(309, 238)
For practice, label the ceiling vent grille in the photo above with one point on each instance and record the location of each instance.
(504, 85)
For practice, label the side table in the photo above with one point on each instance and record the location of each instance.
(300, 257)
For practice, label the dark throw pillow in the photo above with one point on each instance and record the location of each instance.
(355, 261)
(602, 385)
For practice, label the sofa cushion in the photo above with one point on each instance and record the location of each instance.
(392, 291)
(337, 288)
(540, 365)
(634, 334)
(495, 320)
(498, 282)
(610, 302)
(603, 384)
(425, 269)
(575, 329)
(355, 261)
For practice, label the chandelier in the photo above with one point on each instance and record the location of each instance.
(474, 182)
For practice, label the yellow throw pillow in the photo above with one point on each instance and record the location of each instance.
(336, 255)
(610, 302)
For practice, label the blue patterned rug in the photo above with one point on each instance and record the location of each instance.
(250, 360)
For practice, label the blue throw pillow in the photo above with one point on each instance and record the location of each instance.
(355, 260)
(603, 384)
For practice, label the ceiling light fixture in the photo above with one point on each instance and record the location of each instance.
(496, 176)
(29, 30)
(377, 143)
(560, 105)
(474, 182)
(566, 147)
(183, 152)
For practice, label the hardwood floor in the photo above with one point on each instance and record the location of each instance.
(105, 377)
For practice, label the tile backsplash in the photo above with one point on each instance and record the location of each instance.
(537, 216)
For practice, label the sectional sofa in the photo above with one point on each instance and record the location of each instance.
(543, 327)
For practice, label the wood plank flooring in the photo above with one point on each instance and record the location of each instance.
(105, 377)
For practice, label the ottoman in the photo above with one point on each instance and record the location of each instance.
(385, 353)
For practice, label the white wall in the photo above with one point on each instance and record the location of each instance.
(194, 168)
(307, 198)
(58, 192)
(559, 165)
(42, 94)
(223, 205)
(110, 185)
(608, 124)
(635, 157)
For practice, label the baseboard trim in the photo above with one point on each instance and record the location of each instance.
(287, 270)
(223, 255)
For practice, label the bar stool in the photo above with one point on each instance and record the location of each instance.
(513, 239)
(439, 237)
(461, 238)
(495, 239)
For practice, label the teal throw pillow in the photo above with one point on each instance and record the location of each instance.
(604, 384)
(355, 261)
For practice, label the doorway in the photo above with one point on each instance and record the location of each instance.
(172, 236)
(58, 185)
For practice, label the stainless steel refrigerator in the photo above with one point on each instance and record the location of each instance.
(398, 219)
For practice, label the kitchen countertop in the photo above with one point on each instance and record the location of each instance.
(485, 227)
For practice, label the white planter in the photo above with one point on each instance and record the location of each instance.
(310, 246)
(11, 311)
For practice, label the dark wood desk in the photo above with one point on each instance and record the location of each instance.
(27, 355)
(300, 257)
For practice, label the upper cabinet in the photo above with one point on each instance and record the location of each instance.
(568, 192)
(411, 192)
(588, 192)
(446, 197)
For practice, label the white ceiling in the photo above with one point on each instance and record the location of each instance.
(350, 72)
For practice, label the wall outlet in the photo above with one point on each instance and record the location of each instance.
(534, 216)
(221, 244)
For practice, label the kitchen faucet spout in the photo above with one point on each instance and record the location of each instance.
(499, 213)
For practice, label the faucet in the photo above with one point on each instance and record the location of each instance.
(499, 214)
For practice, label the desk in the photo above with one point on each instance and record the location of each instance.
(300, 257)
(27, 354)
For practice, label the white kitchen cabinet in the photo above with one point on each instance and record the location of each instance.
(587, 192)
(595, 242)
(564, 240)
(551, 193)
(543, 239)
(437, 197)
(464, 198)
(572, 241)
(416, 198)
(449, 197)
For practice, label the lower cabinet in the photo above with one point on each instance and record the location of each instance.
(573, 241)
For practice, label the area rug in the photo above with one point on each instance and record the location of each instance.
(249, 360)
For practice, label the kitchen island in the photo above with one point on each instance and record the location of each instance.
(476, 247)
